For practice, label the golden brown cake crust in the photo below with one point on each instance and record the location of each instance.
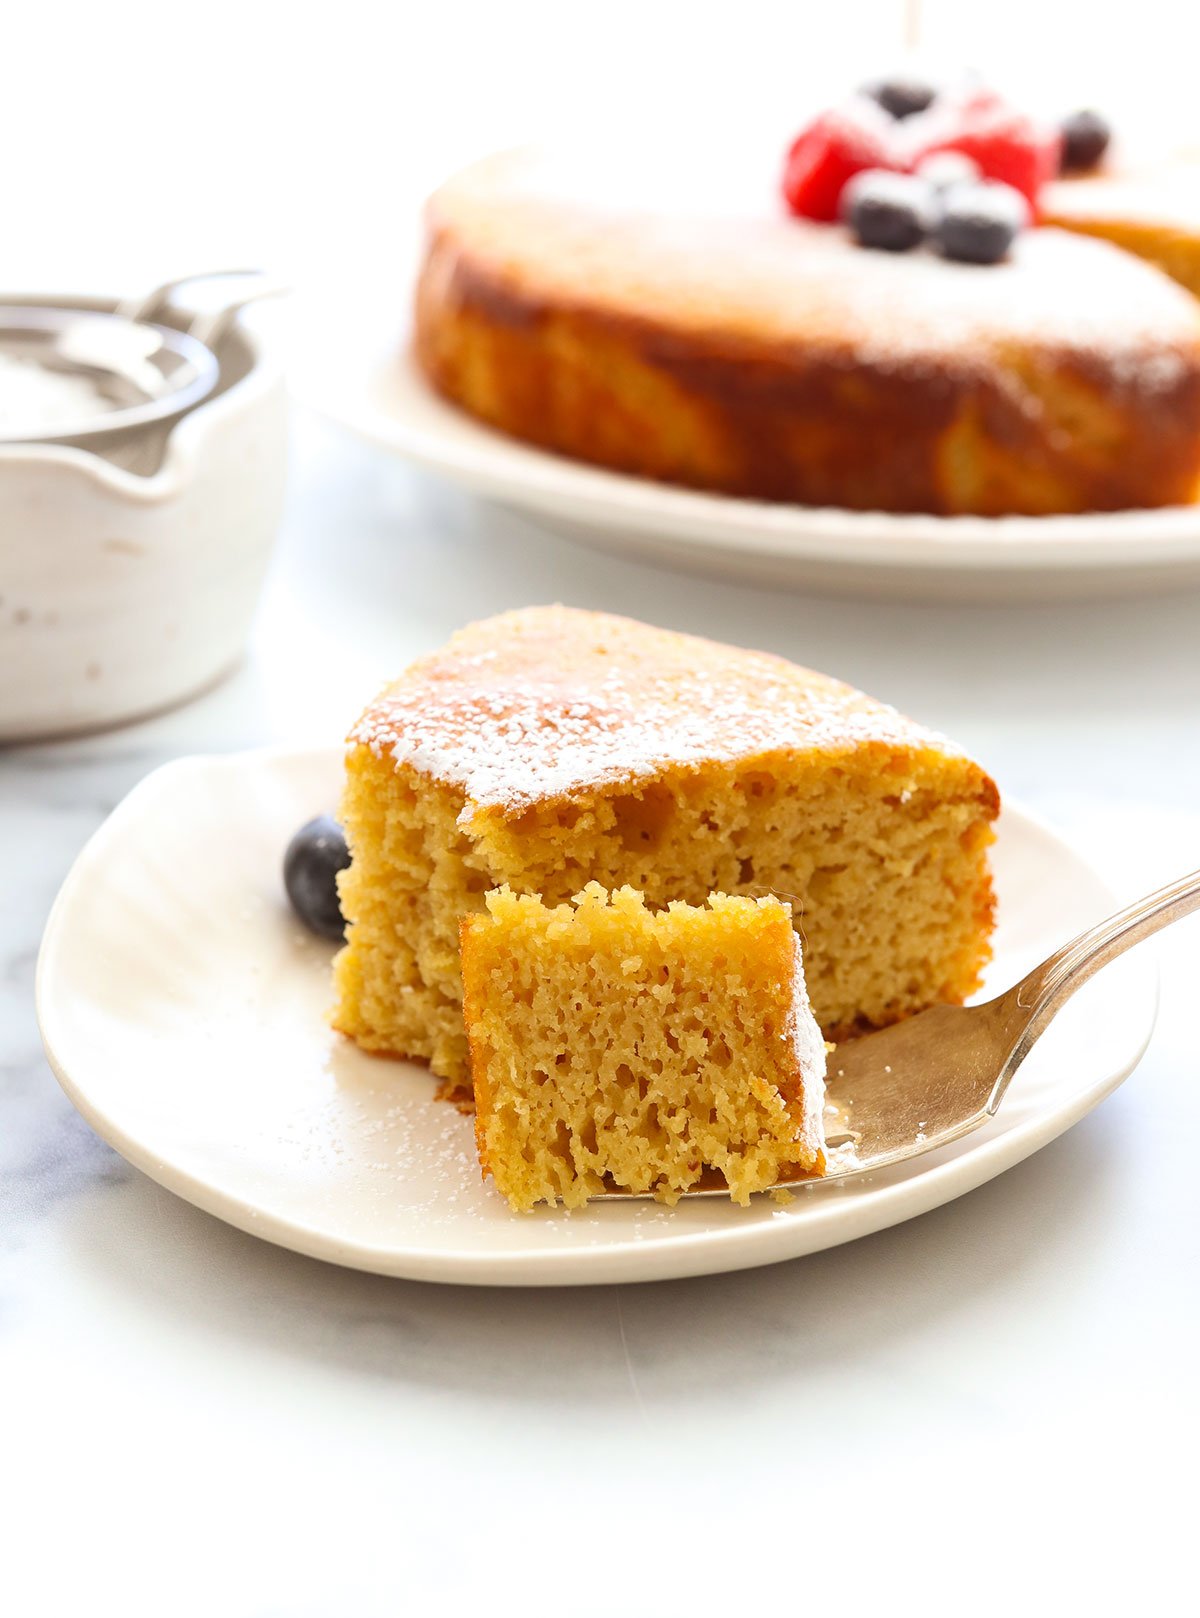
(763, 357)
(538, 705)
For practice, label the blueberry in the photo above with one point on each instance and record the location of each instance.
(941, 170)
(892, 211)
(314, 857)
(900, 95)
(980, 222)
(1085, 138)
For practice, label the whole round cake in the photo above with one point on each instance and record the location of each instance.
(606, 315)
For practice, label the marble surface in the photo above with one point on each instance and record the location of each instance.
(989, 1399)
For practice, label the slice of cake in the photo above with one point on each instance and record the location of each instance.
(1152, 210)
(549, 748)
(613, 1046)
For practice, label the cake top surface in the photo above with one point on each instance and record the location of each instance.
(541, 704)
(1163, 195)
(636, 241)
(626, 907)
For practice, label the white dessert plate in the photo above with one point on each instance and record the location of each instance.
(183, 1010)
(370, 385)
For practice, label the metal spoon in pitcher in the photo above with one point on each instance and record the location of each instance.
(97, 378)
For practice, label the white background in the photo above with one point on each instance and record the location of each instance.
(142, 136)
(993, 1408)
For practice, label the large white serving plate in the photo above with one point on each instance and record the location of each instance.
(369, 384)
(184, 1011)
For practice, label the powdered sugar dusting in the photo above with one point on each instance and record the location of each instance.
(536, 705)
(809, 1045)
(571, 226)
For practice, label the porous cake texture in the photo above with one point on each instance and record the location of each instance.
(548, 748)
(617, 1047)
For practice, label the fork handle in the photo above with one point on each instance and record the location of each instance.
(1031, 1005)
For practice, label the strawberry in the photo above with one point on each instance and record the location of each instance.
(831, 150)
(1006, 145)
